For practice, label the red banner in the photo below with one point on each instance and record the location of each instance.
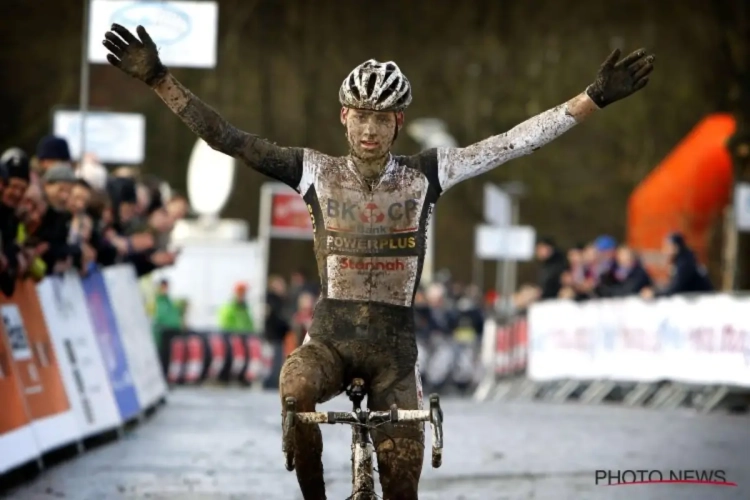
(290, 216)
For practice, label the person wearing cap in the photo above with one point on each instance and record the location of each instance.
(58, 181)
(606, 275)
(51, 151)
(687, 275)
(235, 316)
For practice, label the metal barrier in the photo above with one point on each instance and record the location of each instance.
(198, 357)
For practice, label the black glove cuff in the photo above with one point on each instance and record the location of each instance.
(157, 75)
(596, 95)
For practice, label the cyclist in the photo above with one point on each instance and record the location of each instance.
(370, 210)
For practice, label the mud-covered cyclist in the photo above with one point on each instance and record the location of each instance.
(370, 210)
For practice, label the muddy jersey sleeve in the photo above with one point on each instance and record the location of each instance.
(458, 164)
(280, 163)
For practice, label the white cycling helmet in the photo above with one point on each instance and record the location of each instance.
(376, 86)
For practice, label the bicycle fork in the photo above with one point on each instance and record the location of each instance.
(363, 480)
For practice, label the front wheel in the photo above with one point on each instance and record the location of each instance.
(288, 441)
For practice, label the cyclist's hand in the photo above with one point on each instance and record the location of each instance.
(618, 79)
(137, 58)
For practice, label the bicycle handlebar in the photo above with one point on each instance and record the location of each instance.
(373, 417)
(434, 416)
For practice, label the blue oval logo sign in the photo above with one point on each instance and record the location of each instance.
(101, 133)
(166, 24)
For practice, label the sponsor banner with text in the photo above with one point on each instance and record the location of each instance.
(135, 333)
(85, 377)
(699, 340)
(16, 436)
(53, 420)
(110, 346)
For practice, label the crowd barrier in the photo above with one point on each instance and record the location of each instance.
(77, 360)
(672, 352)
(448, 364)
(195, 357)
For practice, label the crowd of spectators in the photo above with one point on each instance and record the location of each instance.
(58, 215)
(604, 269)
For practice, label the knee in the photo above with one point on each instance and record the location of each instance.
(298, 381)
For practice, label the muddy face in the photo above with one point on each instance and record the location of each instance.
(370, 135)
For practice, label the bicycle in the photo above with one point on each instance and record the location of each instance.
(363, 481)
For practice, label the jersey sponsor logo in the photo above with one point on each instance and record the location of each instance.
(370, 212)
(354, 244)
(373, 265)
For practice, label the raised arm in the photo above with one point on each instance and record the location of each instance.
(615, 80)
(140, 59)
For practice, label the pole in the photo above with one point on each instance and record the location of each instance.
(510, 277)
(84, 95)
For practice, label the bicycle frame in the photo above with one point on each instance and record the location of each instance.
(363, 481)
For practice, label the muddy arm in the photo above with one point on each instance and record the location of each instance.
(281, 163)
(458, 164)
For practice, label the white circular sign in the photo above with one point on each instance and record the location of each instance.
(209, 179)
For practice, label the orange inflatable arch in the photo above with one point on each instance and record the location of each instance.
(686, 192)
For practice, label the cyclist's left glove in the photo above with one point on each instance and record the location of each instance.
(618, 79)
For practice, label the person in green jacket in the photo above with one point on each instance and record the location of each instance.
(167, 320)
(167, 316)
(236, 316)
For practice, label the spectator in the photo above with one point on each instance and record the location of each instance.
(299, 283)
(93, 172)
(302, 319)
(167, 321)
(52, 151)
(177, 207)
(54, 228)
(605, 274)
(632, 277)
(15, 162)
(235, 316)
(421, 315)
(574, 280)
(276, 326)
(30, 213)
(469, 307)
(441, 320)
(553, 265)
(687, 275)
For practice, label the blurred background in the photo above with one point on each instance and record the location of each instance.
(633, 226)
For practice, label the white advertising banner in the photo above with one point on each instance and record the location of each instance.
(185, 32)
(742, 206)
(135, 333)
(701, 340)
(112, 137)
(81, 365)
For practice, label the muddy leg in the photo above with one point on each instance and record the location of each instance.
(400, 447)
(313, 373)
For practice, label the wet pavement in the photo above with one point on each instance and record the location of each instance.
(219, 443)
